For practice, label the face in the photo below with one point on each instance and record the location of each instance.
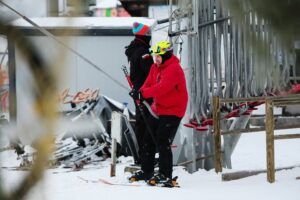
(157, 59)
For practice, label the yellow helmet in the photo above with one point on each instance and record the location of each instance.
(161, 48)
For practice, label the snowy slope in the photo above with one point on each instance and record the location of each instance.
(249, 154)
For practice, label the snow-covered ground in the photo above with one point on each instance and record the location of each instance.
(249, 154)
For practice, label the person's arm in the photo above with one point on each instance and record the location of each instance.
(167, 83)
(149, 80)
(146, 62)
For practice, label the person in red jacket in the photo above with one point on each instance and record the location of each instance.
(166, 84)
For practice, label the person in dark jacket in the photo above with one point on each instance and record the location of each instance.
(140, 61)
(166, 84)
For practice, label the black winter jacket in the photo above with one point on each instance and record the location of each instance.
(140, 60)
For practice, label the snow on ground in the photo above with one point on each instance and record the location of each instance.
(249, 154)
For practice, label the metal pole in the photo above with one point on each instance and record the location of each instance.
(170, 21)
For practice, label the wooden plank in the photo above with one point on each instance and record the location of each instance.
(250, 99)
(249, 130)
(270, 141)
(239, 131)
(113, 158)
(246, 173)
(288, 136)
(292, 96)
(217, 133)
(287, 102)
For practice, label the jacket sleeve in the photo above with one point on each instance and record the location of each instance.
(149, 80)
(146, 62)
(167, 83)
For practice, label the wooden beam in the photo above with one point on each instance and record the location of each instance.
(246, 173)
(217, 133)
(249, 130)
(113, 158)
(270, 140)
(288, 97)
(251, 99)
(239, 131)
(287, 102)
(287, 136)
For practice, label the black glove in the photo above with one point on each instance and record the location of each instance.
(136, 95)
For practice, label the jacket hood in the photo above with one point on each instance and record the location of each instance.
(137, 43)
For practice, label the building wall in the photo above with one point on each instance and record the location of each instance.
(29, 8)
(107, 52)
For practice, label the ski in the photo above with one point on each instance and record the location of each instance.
(120, 184)
(106, 182)
(111, 183)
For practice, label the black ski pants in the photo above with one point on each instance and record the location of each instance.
(164, 130)
(140, 127)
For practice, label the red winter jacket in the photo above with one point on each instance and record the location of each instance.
(167, 86)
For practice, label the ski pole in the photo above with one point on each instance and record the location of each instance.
(131, 86)
(127, 76)
(138, 103)
(147, 125)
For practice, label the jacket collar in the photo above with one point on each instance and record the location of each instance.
(139, 40)
(171, 60)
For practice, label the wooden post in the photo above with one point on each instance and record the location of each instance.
(113, 158)
(270, 140)
(217, 133)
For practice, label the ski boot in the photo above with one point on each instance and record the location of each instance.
(162, 181)
(138, 176)
(157, 179)
(170, 182)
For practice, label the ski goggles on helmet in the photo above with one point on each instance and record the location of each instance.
(161, 48)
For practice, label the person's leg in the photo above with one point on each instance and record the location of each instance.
(166, 131)
(149, 148)
(140, 127)
(139, 131)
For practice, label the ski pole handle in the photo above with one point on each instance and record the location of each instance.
(127, 76)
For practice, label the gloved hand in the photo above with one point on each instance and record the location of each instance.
(136, 95)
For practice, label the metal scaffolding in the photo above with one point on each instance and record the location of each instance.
(230, 57)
